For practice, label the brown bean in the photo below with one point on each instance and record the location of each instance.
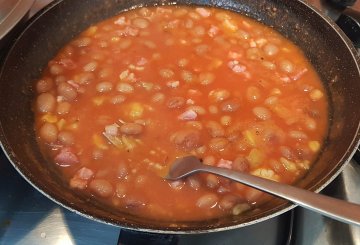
(186, 139)
(177, 184)
(253, 53)
(218, 95)
(67, 91)
(166, 73)
(66, 138)
(125, 88)
(97, 154)
(120, 190)
(228, 201)
(286, 152)
(117, 99)
(91, 66)
(241, 164)
(122, 170)
(286, 66)
(299, 135)
(271, 49)
(193, 182)
(240, 208)
(230, 105)
(134, 202)
(158, 98)
(253, 94)
(209, 160)
(85, 78)
(187, 76)
(215, 129)
(212, 181)
(206, 78)
(141, 23)
(63, 107)
(175, 102)
(218, 144)
(262, 113)
(201, 49)
(45, 102)
(131, 128)
(198, 31)
(56, 69)
(60, 79)
(104, 87)
(207, 201)
(310, 123)
(44, 85)
(101, 187)
(145, 12)
(48, 132)
(82, 42)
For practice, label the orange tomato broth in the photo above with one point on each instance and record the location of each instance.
(266, 106)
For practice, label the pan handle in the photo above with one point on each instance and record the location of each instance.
(348, 19)
(349, 22)
(132, 237)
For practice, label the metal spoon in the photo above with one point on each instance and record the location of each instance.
(328, 206)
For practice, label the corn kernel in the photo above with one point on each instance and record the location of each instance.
(255, 157)
(136, 110)
(49, 118)
(99, 100)
(230, 25)
(316, 95)
(99, 142)
(249, 136)
(314, 145)
(289, 165)
(225, 120)
(91, 31)
(61, 123)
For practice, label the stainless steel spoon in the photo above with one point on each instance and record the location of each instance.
(328, 206)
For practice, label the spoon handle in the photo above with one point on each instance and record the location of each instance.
(325, 205)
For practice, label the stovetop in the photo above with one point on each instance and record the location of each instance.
(27, 217)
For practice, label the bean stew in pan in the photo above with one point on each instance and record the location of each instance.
(127, 96)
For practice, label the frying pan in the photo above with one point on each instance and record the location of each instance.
(328, 49)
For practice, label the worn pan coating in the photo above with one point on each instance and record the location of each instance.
(324, 44)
